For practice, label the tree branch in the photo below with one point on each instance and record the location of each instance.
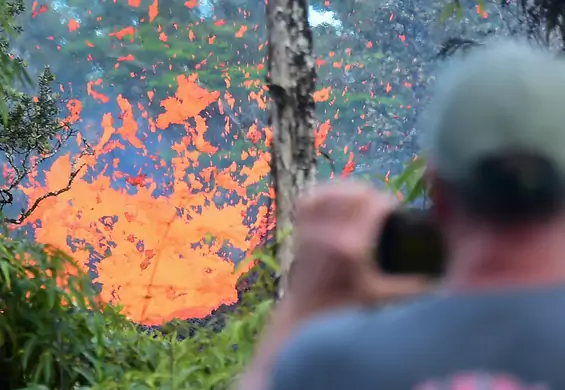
(25, 214)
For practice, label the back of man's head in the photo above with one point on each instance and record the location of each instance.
(495, 132)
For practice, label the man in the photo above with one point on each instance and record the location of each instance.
(496, 140)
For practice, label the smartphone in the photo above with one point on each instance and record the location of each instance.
(410, 243)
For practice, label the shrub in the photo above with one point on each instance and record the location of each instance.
(54, 333)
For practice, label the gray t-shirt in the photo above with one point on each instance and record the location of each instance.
(486, 339)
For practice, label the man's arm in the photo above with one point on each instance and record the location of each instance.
(306, 363)
(312, 358)
(282, 326)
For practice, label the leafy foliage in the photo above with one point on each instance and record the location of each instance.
(32, 128)
(11, 68)
(55, 334)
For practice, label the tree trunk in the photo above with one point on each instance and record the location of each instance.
(291, 83)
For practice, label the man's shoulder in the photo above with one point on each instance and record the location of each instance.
(337, 344)
(340, 328)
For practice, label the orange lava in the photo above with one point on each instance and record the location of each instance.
(148, 265)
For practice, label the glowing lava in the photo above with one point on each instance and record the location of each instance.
(149, 251)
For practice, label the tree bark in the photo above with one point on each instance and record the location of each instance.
(291, 83)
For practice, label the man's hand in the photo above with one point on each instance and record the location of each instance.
(336, 231)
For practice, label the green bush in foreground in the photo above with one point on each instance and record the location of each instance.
(60, 338)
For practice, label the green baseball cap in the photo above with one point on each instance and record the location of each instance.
(495, 128)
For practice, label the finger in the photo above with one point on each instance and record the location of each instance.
(385, 288)
(328, 195)
(353, 202)
(348, 229)
(357, 203)
(321, 269)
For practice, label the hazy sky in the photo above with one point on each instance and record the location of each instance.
(321, 17)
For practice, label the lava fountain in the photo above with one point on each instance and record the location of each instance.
(159, 253)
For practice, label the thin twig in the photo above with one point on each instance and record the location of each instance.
(24, 215)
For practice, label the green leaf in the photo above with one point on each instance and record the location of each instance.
(5, 269)
(3, 107)
(414, 168)
(44, 371)
(269, 261)
(29, 349)
(418, 190)
(85, 374)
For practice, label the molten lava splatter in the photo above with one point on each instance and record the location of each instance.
(148, 251)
